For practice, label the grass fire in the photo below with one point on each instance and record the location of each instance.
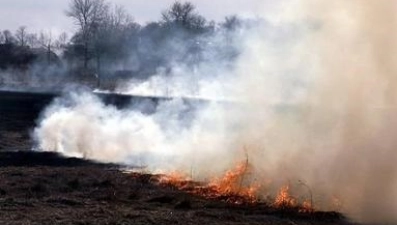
(267, 112)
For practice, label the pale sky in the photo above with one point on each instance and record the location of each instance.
(49, 15)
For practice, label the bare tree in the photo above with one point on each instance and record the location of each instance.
(62, 41)
(47, 42)
(2, 38)
(8, 38)
(87, 15)
(21, 35)
(179, 12)
(231, 23)
(32, 40)
(111, 37)
(183, 14)
(119, 17)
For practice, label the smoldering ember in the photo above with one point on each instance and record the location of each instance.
(281, 114)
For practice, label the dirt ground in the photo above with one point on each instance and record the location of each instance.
(45, 188)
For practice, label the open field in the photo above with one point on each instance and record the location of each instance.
(45, 188)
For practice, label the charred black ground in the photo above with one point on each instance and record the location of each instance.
(46, 188)
(20, 112)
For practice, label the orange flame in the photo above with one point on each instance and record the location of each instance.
(306, 207)
(233, 184)
(235, 187)
(284, 199)
(231, 187)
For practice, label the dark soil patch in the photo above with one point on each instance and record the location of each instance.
(73, 191)
(46, 188)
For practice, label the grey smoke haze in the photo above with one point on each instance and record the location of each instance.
(49, 14)
(335, 60)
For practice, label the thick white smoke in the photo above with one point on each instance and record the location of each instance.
(175, 137)
(316, 102)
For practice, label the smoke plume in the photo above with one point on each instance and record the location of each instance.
(314, 102)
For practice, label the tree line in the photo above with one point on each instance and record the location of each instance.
(107, 40)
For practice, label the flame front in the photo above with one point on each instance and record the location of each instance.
(284, 199)
(233, 187)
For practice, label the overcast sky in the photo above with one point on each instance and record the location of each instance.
(49, 15)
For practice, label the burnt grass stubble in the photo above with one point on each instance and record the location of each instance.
(46, 188)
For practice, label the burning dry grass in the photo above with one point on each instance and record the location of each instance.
(236, 188)
(47, 189)
(230, 188)
(285, 201)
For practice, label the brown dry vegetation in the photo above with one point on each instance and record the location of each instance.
(45, 188)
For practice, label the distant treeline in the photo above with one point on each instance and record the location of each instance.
(107, 41)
